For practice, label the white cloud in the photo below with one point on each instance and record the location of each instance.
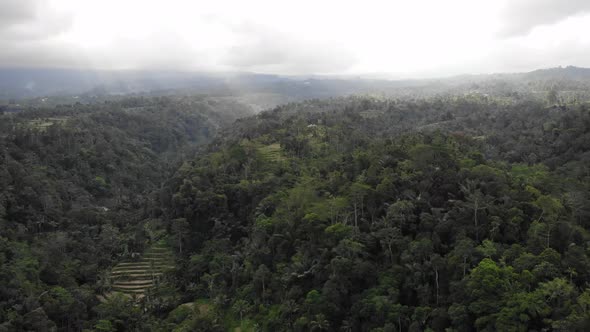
(522, 16)
(404, 38)
(263, 49)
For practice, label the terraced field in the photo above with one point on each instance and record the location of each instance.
(271, 152)
(43, 124)
(137, 277)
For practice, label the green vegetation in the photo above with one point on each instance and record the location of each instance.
(136, 277)
(447, 213)
(79, 211)
(367, 224)
(43, 124)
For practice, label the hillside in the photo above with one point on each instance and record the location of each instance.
(138, 276)
(305, 166)
(365, 214)
(78, 189)
(262, 91)
(455, 212)
(561, 73)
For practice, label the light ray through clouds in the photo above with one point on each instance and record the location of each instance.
(402, 38)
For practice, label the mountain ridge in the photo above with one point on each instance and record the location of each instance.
(22, 83)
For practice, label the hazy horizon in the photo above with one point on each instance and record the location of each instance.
(394, 40)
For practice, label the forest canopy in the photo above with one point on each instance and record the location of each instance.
(442, 212)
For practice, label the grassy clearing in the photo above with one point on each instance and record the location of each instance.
(44, 123)
(271, 152)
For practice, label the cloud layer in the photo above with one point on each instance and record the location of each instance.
(522, 16)
(406, 39)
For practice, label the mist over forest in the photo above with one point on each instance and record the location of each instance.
(334, 166)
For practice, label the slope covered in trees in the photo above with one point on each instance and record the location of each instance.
(459, 212)
(76, 191)
(452, 213)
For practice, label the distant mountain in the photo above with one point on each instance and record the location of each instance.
(26, 82)
(260, 91)
(560, 73)
(21, 83)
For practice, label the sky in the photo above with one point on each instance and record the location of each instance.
(396, 39)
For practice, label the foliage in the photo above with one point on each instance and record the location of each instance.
(391, 222)
(446, 213)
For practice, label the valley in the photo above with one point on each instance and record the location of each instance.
(197, 213)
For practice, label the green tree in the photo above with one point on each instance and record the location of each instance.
(180, 229)
(104, 325)
(241, 307)
(319, 323)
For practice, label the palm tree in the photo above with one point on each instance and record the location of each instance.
(288, 309)
(240, 307)
(346, 326)
(572, 272)
(320, 323)
(104, 281)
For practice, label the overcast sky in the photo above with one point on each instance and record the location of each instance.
(417, 38)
